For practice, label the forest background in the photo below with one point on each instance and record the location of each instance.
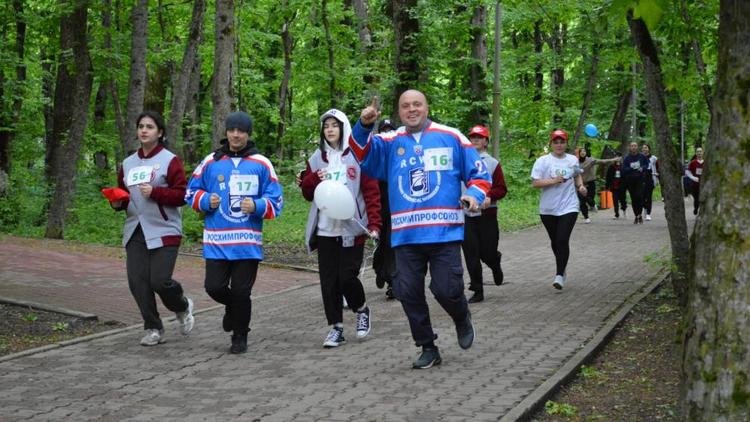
(74, 74)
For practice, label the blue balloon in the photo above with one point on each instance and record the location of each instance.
(591, 131)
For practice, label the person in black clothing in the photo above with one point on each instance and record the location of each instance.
(613, 183)
(634, 166)
(384, 260)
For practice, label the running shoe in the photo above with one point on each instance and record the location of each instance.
(587, 221)
(617, 217)
(476, 297)
(239, 344)
(363, 322)
(465, 333)
(648, 217)
(152, 337)
(429, 357)
(389, 295)
(559, 282)
(335, 338)
(186, 318)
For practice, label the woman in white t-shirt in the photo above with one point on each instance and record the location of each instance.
(558, 175)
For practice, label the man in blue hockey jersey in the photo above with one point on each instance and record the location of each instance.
(424, 164)
(236, 188)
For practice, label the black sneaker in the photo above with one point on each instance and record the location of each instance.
(476, 297)
(239, 344)
(379, 282)
(335, 338)
(389, 293)
(429, 357)
(465, 333)
(497, 275)
(226, 322)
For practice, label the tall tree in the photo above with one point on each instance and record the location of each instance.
(671, 168)
(8, 119)
(287, 42)
(332, 95)
(70, 115)
(137, 82)
(478, 70)
(222, 95)
(405, 31)
(698, 53)
(180, 92)
(109, 80)
(716, 364)
(590, 83)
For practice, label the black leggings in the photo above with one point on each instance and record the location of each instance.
(588, 200)
(634, 185)
(648, 193)
(559, 229)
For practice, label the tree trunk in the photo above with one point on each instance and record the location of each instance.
(591, 81)
(619, 130)
(698, 52)
(7, 127)
(363, 24)
(478, 70)
(538, 75)
(406, 51)
(109, 81)
(71, 110)
(137, 82)
(48, 88)
(557, 42)
(222, 94)
(180, 92)
(190, 135)
(716, 364)
(329, 47)
(671, 168)
(288, 44)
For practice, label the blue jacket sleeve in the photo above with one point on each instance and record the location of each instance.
(271, 201)
(371, 151)
(197, 195)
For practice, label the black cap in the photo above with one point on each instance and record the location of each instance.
(239, 120)
(385, 123)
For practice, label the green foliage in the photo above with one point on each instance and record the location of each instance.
(60, 326)
(559, 409)
(589, 372)
(30, 317)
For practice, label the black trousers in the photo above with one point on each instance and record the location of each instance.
(481, 235)
(447, 285)
(588, 200)
(559, 229)
(338, 268)
(150, 272)
(619, 200)
(648, 192)
(634, 185)
(384, 259)
(695, 191)
(230, 283)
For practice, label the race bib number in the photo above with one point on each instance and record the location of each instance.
(635, 165)
(617, 174)
(336, 173)
(243, 185)
(436, 159)
(699, 171)
(139, 175)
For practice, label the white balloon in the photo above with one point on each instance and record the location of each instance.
(334, 200)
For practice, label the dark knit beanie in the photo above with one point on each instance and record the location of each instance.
(239, 120)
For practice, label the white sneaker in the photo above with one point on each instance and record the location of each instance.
(335, 338)
(587, 221)
(363, 323)
(152, 337)
(186, 318)
(559, 281)
(648, 217)
(617, 217)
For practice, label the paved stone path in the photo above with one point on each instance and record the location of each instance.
(526, 331)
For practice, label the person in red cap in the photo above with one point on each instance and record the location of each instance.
(481, 231)
(558, 175)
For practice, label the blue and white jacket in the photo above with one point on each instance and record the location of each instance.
(424, 179)
(229, 233)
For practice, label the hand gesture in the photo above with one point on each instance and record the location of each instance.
(469, 202)
(582, 190)
(247, 206)
(321, 174)
(214, 201)
(370, 114)
(146, 189)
